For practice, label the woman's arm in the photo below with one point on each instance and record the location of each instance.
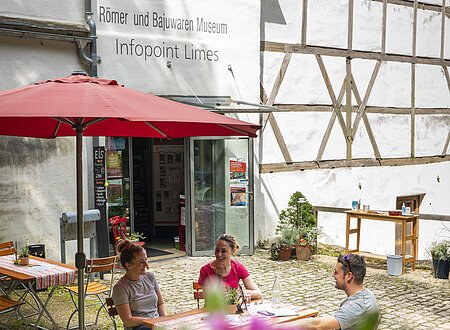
(128, 320)
(161, 304)
(252, 287)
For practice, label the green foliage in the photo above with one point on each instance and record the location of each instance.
(289, 237)
(24, 252)
(136, 236)
(440, 250)
(275, 251)
(232, 296)
(308, 235)
(296, 215)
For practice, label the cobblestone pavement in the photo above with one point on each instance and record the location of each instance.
(412, 301)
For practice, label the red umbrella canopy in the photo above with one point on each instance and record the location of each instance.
(105, 108)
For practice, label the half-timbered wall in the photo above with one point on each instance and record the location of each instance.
(362, 95)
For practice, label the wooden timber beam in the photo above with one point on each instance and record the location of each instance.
(344, 163)
(421, 5)
(329, 108)
(280, 47)
(447, 77)
(369, 109)
(271, 118)
(336, 111)
(444, 151)
(373, 142)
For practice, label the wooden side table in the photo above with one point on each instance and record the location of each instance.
(384, 216)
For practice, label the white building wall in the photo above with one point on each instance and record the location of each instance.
(47, 177)
(38, 175)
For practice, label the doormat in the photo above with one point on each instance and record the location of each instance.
(151, 252)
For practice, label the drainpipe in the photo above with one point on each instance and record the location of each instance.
(92, 60)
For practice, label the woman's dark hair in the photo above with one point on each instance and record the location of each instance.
(355, 264)
(128, 250)
(231, 240)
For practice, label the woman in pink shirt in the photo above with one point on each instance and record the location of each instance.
(227, 270)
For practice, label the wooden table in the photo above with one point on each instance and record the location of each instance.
(404, 220)
(197, 319)
(50, 274)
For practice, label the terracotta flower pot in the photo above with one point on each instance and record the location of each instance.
(303, 252)
(284, 254)
(24, 261)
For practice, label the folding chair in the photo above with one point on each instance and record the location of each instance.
(198, 292)
(94, 288)
(8, 305)
(112, 311)
(119, 228)
(6, 248)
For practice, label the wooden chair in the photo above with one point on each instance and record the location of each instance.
(8, 305)
(198, 292)
(95, 288)
(112, 311)
(7, 248)
(119, 228)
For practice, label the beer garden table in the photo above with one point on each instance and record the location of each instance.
(39, 274)
(404, 220)
(198, 318)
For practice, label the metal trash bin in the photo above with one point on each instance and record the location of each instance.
(37, 250)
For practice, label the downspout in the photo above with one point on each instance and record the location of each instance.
(92, 60)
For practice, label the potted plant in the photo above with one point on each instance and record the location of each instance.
(440, 253)
(135, 237)
(306, 242)
(24, 256)
(287, 243)
(299, 218)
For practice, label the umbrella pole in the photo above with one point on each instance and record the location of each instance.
(80, 257)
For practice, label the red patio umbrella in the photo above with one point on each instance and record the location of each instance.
(80, 105)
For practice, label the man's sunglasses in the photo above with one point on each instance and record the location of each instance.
(347, 260)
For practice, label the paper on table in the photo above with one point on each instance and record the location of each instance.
(41, 268)
(284, 310)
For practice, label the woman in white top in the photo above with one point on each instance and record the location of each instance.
(136, 295)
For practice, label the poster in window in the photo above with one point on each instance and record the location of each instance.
(238, 169)
(174, 175)
(170, 158)
(168, 208)
(238, 196)
(115, 192)
(114, 163)
(158, 206)
(115, 143)
(162, 157)
(162, 171)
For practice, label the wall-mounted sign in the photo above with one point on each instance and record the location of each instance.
(200, 38)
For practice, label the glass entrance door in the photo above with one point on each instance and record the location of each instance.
(221, 196)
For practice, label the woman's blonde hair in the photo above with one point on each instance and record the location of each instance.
(231, 240)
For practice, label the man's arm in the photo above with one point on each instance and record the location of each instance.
(326, 322)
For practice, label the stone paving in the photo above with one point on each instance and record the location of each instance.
(412, 301)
